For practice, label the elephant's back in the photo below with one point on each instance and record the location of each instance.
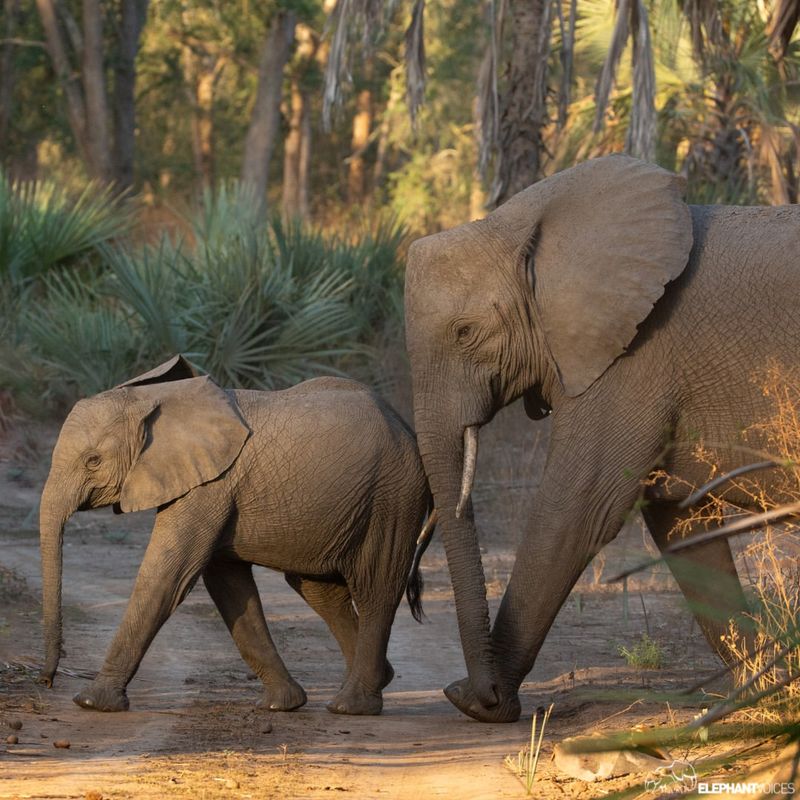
(740, 248)
(333, 456)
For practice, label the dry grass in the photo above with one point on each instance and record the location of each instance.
(769, 661)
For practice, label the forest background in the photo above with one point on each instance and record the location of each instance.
(238, 179)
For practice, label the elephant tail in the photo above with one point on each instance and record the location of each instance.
(415, 583)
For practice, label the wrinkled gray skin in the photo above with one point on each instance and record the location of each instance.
(641, 323)
(322, 482)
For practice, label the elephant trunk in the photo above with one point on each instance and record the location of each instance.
(444, 460)
(53, 514)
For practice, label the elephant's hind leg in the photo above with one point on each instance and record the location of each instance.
(233, 590)
(376, 600)
(706, 574)
(334, 604)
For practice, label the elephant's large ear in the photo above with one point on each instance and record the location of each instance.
(189, 432)
(178, 368)
(604, 239)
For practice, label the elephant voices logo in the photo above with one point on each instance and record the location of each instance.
(679, 777)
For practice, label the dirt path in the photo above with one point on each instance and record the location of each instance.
(193, 730)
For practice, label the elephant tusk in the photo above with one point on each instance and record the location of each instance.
(470, 460)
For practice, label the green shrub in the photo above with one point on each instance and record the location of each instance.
(43, 226)
(645, 654)
(255, 301)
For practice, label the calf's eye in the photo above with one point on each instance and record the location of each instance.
(92, 461)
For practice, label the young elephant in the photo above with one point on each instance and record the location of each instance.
(322, 481)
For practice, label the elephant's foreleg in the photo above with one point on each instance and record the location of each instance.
(587, 490)
(706, 575)
(182, 541)
(233, 590)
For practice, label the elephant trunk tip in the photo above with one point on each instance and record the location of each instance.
(47, 674)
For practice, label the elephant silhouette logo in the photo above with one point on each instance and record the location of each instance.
(679, 776)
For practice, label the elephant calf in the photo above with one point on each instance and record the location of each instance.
(322, 481)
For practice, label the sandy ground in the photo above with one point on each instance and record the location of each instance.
(194, 729)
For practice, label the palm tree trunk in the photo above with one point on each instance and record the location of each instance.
(261, 134)
(523, 104)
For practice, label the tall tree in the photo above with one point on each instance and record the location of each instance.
(133, 14)
(265, 116)
(523, 104)
(297, 145)
(201, 69)
(69, 80)
(632, 22)
(356, 165)
(7, 72)
(98, 139)
(79, 55)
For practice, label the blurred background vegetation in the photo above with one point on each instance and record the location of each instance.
(239, 179)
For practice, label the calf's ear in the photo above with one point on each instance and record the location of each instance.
(186, 433)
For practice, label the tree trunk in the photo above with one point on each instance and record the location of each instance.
(56, 47)
(94, 86)
(204, 123)
(304, 167)
(297, 147)
(362, 122)
(10, 12)
(291, 153)
(383, 136)
(523, 106)
(201, 72)
(133, 16)
(260, 140)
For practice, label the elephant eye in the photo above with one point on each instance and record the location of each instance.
(92, 461)
(463, 332)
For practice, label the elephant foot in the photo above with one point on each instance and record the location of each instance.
(102, 697)
(284, 697)
(354, 699)
(460, 694)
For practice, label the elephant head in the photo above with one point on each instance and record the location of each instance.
(536, 300)
(137, 446)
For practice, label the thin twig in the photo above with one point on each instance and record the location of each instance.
(742, 525)
(718, 481)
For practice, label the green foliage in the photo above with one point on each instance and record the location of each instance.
(43, 226)
(255, 301)
(645, 654)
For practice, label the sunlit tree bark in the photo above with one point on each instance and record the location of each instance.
(265, 117)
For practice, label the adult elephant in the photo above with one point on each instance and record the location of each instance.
(639, 322)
